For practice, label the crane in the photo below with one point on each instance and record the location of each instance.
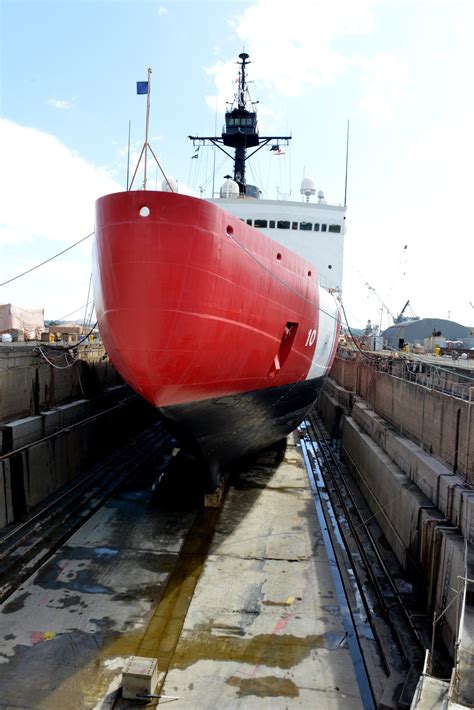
(401, 318)
(384, 305)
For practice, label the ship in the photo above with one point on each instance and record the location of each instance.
(223, 313)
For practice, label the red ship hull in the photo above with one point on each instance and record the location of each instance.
(212, 322)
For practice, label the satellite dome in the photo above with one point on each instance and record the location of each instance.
(321, 197)
(170, 185)
(308, 187)
(230, 189)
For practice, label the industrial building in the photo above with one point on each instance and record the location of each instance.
(415, 332)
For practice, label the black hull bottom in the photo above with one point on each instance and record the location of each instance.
(227, 428)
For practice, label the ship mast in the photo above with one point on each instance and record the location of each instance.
(240, 131)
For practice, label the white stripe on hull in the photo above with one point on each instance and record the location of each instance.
(329, 319)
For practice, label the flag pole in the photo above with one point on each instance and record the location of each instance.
(128, 154)
(146, 127)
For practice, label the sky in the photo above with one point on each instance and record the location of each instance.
(400, 71)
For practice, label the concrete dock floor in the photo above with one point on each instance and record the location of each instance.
(264, 629)
(250, 619)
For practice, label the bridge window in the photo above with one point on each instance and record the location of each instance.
(249, 221)
(294, 225)
(335, 228)
(306, 226)
(271, 224)
(260, 223)
(316, 226)
(283, 224)
(324, 227)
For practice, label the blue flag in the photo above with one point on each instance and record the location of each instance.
(142, 87)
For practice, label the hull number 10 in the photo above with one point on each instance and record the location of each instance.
(311, 337)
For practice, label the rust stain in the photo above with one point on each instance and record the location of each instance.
(274, 650)
(164, 629)
(266, 687)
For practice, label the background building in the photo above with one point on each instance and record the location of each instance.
(416, 331)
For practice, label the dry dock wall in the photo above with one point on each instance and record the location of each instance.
(398, 439)
(440, 424)
(33, 467)
(46, 439)
(29, 384)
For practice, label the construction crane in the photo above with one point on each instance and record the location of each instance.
(384, 305)
(395, 319)
(401, 318)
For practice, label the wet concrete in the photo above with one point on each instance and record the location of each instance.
(263, 629)
(64, 633)
(241, 612)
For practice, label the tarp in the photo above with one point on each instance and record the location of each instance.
(30, 321)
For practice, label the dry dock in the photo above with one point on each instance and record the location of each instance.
(275, 600)
(243, 616)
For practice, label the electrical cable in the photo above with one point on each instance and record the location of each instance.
(46, 260)
(70, 348)
(53, 364)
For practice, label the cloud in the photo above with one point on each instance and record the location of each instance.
(48, 195)
(162, 11)
(384, 79)
(61, 104)
(293, 45)
(423, 210)
(299, 47)
(59, 186)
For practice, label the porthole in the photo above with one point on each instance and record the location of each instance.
(279, 256)
(309, 273)
(329, 266)
(230, 229)
(144, 211)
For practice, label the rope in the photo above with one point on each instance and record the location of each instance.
(46, 260)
